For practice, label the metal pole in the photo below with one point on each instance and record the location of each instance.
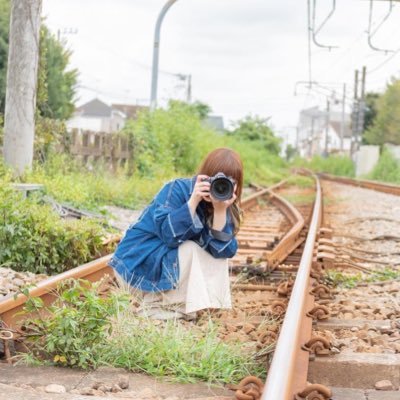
(156, 48)
(342, 126)
(328, 108)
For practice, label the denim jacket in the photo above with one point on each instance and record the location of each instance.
(147, 256)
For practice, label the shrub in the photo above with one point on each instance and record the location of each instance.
(34, 238)
(78, 322)
(387, 169)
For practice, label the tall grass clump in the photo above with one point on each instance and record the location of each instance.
(171, 349)
(387, 169)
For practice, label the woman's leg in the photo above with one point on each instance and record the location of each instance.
(203, 281)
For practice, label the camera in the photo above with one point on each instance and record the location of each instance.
(222, 186)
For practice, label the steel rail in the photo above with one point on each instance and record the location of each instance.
(287, 375)
(11, 306)
(373, 185)
(292, 239)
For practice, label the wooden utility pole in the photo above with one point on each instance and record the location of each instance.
(22, 72)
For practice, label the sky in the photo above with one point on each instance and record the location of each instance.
(244, 56)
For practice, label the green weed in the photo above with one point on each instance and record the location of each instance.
(86, 330)
(387, 169)
(348, 280)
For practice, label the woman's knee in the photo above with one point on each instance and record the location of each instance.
(192, 246)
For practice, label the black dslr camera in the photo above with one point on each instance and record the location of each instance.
(222, 186)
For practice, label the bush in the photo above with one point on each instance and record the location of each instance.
(34, 238)
(387, 169)
(78, 322)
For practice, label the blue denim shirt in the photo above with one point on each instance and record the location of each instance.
(147, 256)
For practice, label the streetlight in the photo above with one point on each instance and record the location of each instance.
(156, 48)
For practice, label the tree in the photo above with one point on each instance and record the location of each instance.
(22, 72)
(256, 129)
(56, 84)
(386, 125)
(4, 27)
(371, 109)
(201, 109)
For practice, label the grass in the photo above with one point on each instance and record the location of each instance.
(301, 181)
(349, 281)
(335, 165)
(300, 198)
(387, 169)
(179, 351)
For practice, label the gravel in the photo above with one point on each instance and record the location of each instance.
(355, 214)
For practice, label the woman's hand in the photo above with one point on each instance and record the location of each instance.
(201, 191)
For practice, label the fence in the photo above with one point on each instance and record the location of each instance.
(94, 147)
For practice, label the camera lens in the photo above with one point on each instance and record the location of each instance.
(222, 189)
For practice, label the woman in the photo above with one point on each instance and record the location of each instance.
(178, 249)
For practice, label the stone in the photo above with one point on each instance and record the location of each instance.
(123, 382)
(54, 388)
(87, 391)
(384, 385)
(115, 388)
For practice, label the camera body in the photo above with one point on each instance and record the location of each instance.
(221, 186)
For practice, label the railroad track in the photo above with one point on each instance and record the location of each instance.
(274, 231)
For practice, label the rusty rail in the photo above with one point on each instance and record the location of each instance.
(287, 375)
(292, 238)
(91, 271)
(373, 185)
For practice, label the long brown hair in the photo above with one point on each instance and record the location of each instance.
(227, 161)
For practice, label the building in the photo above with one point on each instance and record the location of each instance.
(97, 116)
(215, 122)
(320, 132)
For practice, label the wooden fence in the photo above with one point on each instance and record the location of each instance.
(94, 147)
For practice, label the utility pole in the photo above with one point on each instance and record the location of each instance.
(328, 108)
(361, 107)
(156, 51)
(343, 122)
(354, 115)
(22, 72)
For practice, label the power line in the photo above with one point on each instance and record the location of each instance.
(384, 62)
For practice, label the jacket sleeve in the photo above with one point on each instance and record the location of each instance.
(221, 244)
(172, 218)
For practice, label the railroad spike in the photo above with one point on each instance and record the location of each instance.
(318, 345)
(319, 312)
(315, 392)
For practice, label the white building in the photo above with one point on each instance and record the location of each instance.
(320, 132)
(98, 116)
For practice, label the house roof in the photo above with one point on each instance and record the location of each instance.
(336, 125)
(131, 111)
(95, 108)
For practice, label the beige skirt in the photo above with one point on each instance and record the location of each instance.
(203, 283)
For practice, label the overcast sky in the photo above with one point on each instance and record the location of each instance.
(245, 56)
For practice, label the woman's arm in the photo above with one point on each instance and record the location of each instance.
(174, 219)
